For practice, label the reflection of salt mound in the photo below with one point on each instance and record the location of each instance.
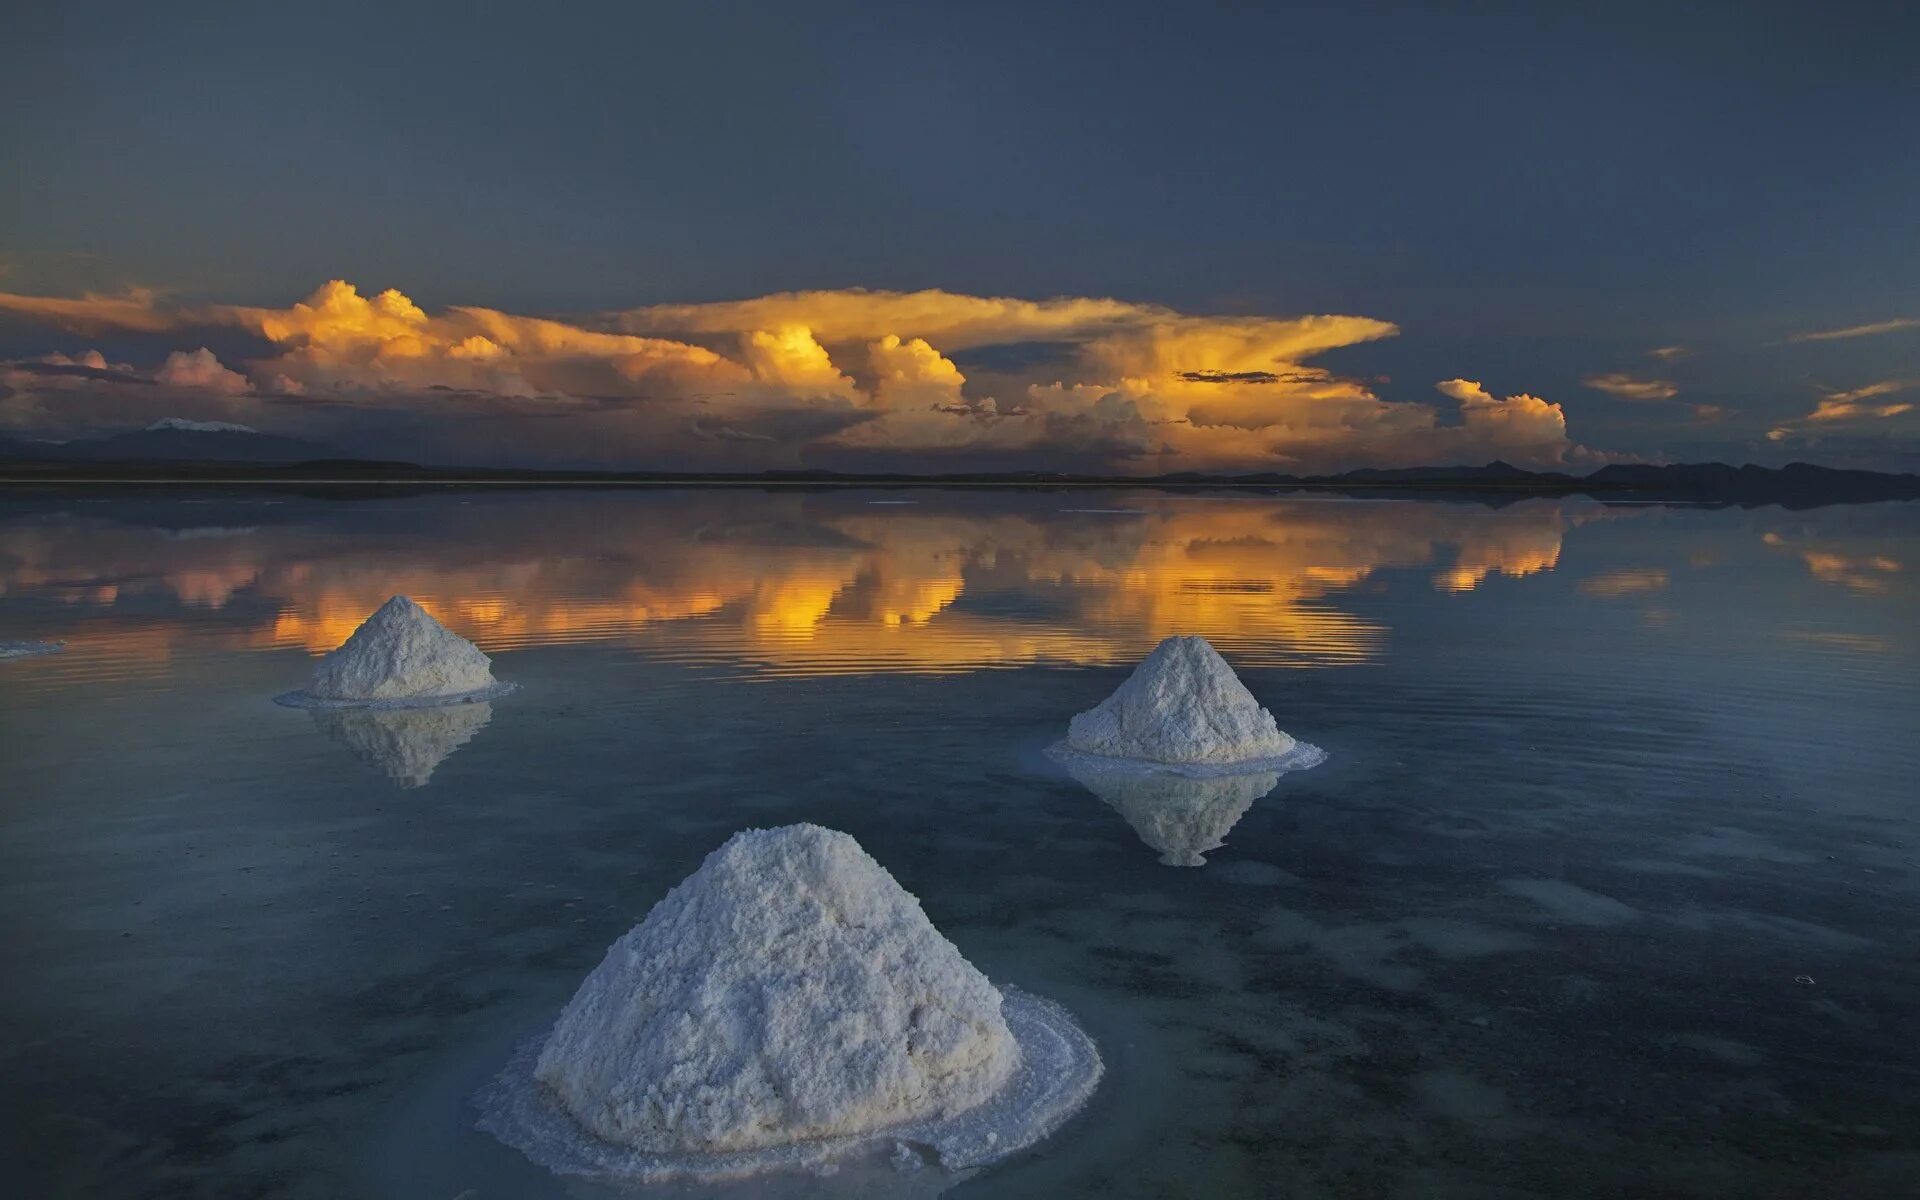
(29, 649)
(406, 743)
(1182, 704)
(788, 1003)
(1181, 817)
(400, 657)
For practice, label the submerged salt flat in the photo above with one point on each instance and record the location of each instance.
(1534, 927)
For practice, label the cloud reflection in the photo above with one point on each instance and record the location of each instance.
(789, 583)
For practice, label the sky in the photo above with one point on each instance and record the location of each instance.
(1128, 237)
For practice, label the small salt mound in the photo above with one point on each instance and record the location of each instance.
(29, 649)
(788, 1003)
(1182, 818)
(408, 744)
(1182, 704)
(400, 657)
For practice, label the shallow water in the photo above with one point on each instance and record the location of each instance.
(1607, 888)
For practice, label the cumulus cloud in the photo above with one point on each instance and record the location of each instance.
(1521, 426)
(1627, 387)
(1853, 331)
(200, 369)
(826, 378)
(70, 394)
(1668, 353)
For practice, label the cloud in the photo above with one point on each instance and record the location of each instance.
(1521, 426)
(948, 319)
(1885, 387)
(200, 369)
(1237, 377)
(854, 379)
(80, 393)
(132, 310)
(1849, 407)
(1854, 331)
(1668, 353)
(1627, 387)
(1709, 413)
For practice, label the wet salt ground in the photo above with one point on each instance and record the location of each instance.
(1533, 930)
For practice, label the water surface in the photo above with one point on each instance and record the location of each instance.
(1607, 888)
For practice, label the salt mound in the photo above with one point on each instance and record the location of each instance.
(405, 743)
(789, 989)
(1180, 817)
(788, 1003)
(400, 657)
(1182, 704)
(29, 649)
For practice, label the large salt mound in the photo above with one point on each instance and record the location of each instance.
(406, 743)
(1181, 818)
(400, 657)
(788, 1003)
(1182, 704)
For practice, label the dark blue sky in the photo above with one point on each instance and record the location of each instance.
(1535, 196)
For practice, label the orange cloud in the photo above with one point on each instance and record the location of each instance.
(1523, 425)
(1630, 582)
(1849, 406)
(949, 319)
(133, 310)
(849, 378)
(1627, 387)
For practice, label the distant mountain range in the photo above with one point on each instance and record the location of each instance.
(172, 439)
(177, 450)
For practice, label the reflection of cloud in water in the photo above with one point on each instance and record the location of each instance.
(1629, 582)
(1182, 818)
(405, 743)
(796, 584)
(1862, 568)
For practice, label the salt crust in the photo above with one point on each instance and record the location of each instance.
(400, 657)
(788, 1005)
(29, 649)
(1182, 706)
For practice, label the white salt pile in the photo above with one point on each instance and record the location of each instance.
(789, 1005)
(1182, 818)
(1183, 705)
(29, 649)
(400, 657)
(407, 744)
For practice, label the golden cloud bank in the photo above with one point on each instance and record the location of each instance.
(846, 378)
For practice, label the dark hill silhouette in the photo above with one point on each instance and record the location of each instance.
(198, 456)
